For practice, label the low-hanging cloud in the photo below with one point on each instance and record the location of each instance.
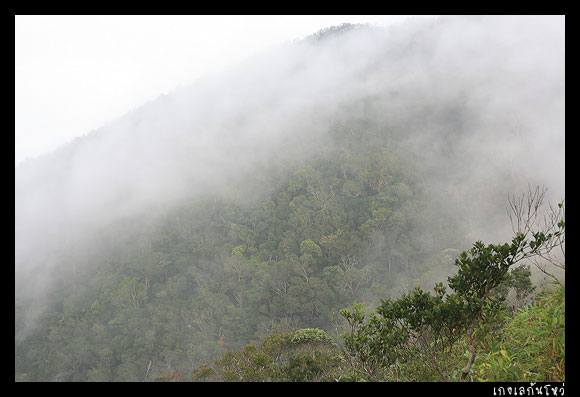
(502, 75)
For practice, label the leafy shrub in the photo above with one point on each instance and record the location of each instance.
(532, 344)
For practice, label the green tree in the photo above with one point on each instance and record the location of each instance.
(378, 348)
(309, 254)
(303, 355)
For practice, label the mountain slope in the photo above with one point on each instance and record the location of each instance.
(340, 168)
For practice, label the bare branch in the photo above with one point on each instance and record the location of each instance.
(525, 213)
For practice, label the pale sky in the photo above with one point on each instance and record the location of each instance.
(73, 74)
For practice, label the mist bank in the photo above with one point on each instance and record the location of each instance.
(479, 99)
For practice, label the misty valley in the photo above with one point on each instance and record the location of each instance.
(330, 210)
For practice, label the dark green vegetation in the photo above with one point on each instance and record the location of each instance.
(421, 337)
(217, 275)
(375, 204)
(512, 346)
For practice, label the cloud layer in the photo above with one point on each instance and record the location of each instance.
(495, 84)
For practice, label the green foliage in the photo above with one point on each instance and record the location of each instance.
(246, 365)
(400, 342)
(389, 343)
(309, 247)
(417, 336)
(303, 355)
(311, 337)
(483, 268)
(214, 276)
(519, 281)
(531, 346)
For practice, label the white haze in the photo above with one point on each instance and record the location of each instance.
(508, 72)
(74, 73)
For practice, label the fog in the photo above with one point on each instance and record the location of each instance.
(503, 74)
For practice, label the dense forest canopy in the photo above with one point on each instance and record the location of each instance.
(351, 166)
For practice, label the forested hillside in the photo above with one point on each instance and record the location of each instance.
(193, 231)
